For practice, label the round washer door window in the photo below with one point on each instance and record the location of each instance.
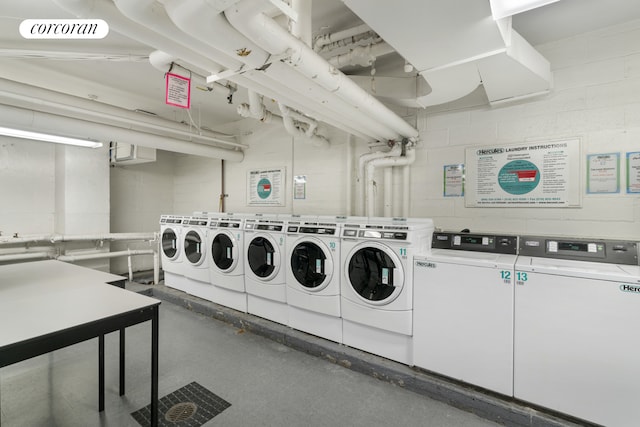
(309, 264)
(169, 243)
(222, 252)
(372, 274)
(261, 255)
(193, 247)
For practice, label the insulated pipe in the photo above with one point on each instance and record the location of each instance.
(361, 55)
(60, 125)
(153, 16)
(408, 159)
(301, 28)
(299, 102)
(206, 24)
(361, 178)
(162, 61)
(326, 39)
(350, 146)
(247, 17)
(48, 101)
(388, 192)
(289, 125)
(59, 238)
(209, 26)
(21, 257)
(101, 255)
(406, 190)
(107, 10)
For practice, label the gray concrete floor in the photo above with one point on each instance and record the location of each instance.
(266, 382)
(271, 375)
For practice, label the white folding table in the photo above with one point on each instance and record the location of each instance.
(49, 305)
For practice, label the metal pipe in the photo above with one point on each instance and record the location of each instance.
(25, 256)
(56, 238)
(101, 255)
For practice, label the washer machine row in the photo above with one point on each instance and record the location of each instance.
(226, 263)
(377, 284)
(265, 278)
(577, 304)
(463, 309)
(313, 278)
(171, 255)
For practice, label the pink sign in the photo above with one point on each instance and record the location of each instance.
(178, 91)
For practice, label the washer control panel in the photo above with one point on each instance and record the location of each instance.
(595, 250)
(501, 244)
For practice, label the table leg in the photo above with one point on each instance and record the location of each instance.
(154, 366)
(122, 363)
(101, 372)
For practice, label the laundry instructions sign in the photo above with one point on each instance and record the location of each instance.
(265, 187)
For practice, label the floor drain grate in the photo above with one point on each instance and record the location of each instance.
(180, 412)
(190, 406)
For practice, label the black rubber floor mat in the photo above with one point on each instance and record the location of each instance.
(189, 406)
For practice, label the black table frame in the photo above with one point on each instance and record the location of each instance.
(44, 344)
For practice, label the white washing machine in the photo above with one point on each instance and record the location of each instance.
(265, 266)
(313, 276)
(576, 347)
(171, 254)
(194, 254)
(226, 263)
(377, 284)
(463, 309)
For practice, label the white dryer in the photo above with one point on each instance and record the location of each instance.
(265, 266)
(377, 284)
(313, 276)
(577, 304)
(463, 309)
(171, 254)
(226, 263)
(194, 251)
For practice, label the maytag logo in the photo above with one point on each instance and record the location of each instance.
(630, 288)
(425, 264)
(64, 29)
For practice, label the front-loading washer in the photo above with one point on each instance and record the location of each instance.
(226, 263)
(171, 251)
(577, 302)
(313, 276)
(377, 284)
(463, 309)
(265, 266)
(194, 251)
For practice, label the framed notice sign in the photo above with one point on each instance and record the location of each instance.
(265, 187)
(541, 174)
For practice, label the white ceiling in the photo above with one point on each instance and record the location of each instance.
(132, 83)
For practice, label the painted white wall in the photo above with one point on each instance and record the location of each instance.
(27, 187)
(196, 184)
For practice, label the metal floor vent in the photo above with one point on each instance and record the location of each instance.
(190, 406)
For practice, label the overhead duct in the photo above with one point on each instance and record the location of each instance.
(456, 45)
(51, 123)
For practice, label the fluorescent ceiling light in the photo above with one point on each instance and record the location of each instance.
(17, 133)
(503, 8)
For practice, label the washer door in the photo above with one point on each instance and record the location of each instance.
(193, 247)
(224, 252)
(375, 273)
(263, 256)
(170, 244)
(311, 266)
